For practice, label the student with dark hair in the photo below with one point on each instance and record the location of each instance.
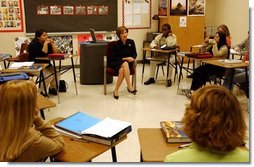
(124, 54)
(168, 39)
(203, 73)
(215, 123)
(41, 46)
(24, 135)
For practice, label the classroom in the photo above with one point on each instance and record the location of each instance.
(160, 77)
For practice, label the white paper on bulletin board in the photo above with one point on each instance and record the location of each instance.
(137, 14)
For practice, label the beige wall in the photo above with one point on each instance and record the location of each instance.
(233, 13)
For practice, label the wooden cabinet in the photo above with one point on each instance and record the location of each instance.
(190, 35)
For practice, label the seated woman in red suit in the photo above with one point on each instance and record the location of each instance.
(124, 55)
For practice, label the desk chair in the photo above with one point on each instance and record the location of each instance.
(163, 63)
(109, 71)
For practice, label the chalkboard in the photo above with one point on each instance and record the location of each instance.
(70, 15)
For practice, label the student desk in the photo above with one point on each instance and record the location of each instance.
(183, 55)
(167, 52)
(153, 145)
(67, 56)
(31, 72)
(82, 150)
(44, 103)
(3, 57)
(232, 66)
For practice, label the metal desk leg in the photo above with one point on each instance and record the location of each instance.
(113, 152)
(180, 74)
(168, 64)
(143, 68)
(44, 84)
(42, 114)
(231, 79)
(74, 75)
(57, 87)
(141, 157)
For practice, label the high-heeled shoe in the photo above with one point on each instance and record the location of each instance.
(133, 91)
(115, 96)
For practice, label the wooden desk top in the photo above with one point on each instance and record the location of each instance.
(26, 70)
(158, 50)
(44, 102)
(153, 145)
(221, 63)
(79, 151)
(66, 56)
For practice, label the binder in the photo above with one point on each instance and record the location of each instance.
(107, 131)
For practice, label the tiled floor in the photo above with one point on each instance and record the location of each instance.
(152, 104)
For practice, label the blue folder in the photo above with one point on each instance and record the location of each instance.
(77, 122)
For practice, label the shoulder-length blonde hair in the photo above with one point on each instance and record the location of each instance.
(214, 119)
(18, 101)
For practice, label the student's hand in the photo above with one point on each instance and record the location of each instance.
(128, 59)
(237, 49)
(36, 114)
(47, 41)
(206, 41)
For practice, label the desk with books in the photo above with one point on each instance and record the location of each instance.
(153, 145)
(60, 57)
(78, 150)
(184, 55)
(35, 69)
(231, 64)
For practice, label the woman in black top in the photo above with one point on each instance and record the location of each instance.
(124, 54)
(41, 46)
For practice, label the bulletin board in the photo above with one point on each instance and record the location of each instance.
(137, 14)
(11, 16)
(70, 15)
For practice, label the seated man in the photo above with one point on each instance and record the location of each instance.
(167, 40)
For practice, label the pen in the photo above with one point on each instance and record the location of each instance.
(184, 145)
(81, 140)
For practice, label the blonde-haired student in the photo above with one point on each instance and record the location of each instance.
(24, 135)
(215, 123)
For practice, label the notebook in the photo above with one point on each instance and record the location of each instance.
(94, 40)
(77, 122)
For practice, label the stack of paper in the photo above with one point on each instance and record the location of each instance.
(17, 65)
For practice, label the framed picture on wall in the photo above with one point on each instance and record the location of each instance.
(11, 16)
(163, 8)
(68, 10)
(103, 10)
(92, 10)
(42, 10)
(178, 7)
(196, 7)
(80, 10)
(55, 10)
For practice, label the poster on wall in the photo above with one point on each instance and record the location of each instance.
(178, 7)
(63, 43)
(163, 8)
(11, 16)
(137, 14)
(196, 7)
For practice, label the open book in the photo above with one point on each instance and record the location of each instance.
(106, 131)
(173, 132)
